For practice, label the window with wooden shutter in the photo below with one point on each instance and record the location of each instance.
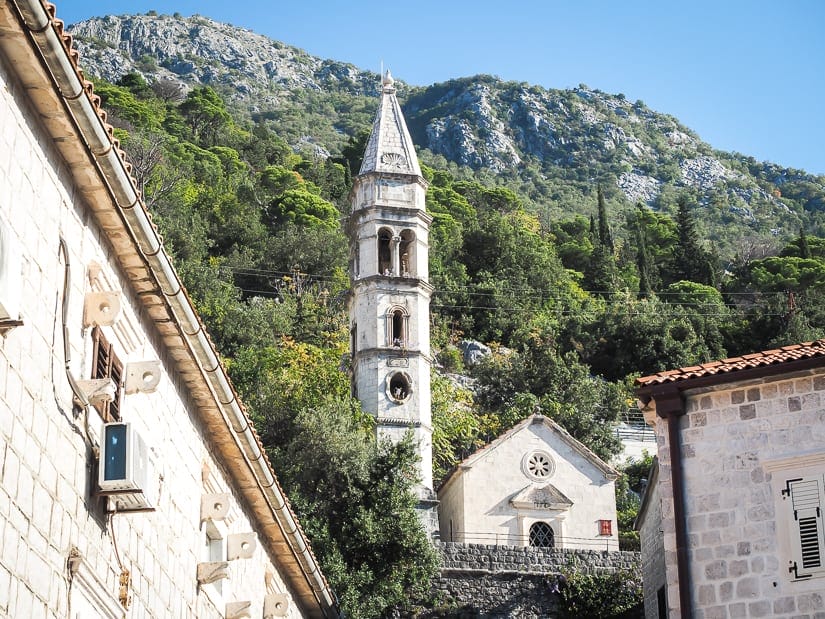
(105, 364)
(805, 497)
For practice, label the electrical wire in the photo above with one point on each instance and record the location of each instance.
(473, 290)
(67, 355)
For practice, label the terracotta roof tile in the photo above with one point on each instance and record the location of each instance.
(777, 356)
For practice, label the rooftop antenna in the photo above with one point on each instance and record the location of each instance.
(381, 75)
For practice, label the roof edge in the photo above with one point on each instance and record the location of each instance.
(608, 471)
(45, 32)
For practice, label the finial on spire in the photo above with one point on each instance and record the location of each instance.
(387, 83)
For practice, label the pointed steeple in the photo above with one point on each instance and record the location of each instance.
(390, 147)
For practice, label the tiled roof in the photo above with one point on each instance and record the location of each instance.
(766, 358)
(74, 57)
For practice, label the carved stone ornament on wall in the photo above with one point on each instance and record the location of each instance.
(396, 160)
(538, 465)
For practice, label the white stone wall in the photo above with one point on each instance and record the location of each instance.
(653, 551)
(394, 205)
(45, 504)
(451, 509)
(490, 482)
(733, 439)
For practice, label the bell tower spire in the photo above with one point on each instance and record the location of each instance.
(390, 292)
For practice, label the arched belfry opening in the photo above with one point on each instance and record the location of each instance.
(397, 327)
(384, 252)
(406, 251)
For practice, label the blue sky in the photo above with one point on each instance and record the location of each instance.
(747, 76)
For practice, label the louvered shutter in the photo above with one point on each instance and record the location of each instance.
(106, 365)
(807, 500)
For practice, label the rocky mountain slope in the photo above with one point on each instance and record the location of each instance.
(551, 146)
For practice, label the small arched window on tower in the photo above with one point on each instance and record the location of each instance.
(406, 251)
(355, 256)
(397, 319)
(384, 252)
(542, 535)
(399, 387)
(353, 339)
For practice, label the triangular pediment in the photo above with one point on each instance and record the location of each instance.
(561, 434)
(546, 496)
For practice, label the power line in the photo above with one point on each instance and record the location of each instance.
(472, 290)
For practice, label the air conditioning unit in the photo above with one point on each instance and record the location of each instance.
(126, 472)
(10, 279)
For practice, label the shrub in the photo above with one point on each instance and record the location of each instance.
(600, 596)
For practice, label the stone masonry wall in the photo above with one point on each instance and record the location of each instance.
(653, 551)
(47, 508)
(740, 444)
(506, 581)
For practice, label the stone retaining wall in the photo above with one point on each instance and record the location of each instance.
(505, 581)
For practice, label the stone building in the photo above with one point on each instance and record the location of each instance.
(390, 299)
(649, 523)
(132, 482)
(741, 485)
(536, 486)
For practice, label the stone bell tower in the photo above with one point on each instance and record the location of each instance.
(390, 301)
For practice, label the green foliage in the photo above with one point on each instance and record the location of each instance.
(605, 238)
(128, 110)
(573, 242)
(691, 261)
(458, 428)
(354, 497)
(304, 209)
(600, 596)
(254, 229)
(789, 273)
(640, 335)
(629, 487)
(560, 386)
(206, 113)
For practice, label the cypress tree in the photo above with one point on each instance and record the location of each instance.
(691, 261)
(804, 250)
(605, 237)
(643, 264)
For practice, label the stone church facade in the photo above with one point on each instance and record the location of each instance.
(534, 486)
(132, 481)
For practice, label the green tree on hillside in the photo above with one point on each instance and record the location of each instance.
(355, 498)
(602, 274)
(206, 113)
(605, 237)
(691, 261)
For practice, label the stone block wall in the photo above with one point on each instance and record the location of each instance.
(506, 581)
(740, 443)
(48, 509)
(653, 551)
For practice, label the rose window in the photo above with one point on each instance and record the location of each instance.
(538, 465)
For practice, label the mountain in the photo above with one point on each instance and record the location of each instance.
(551, 146)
